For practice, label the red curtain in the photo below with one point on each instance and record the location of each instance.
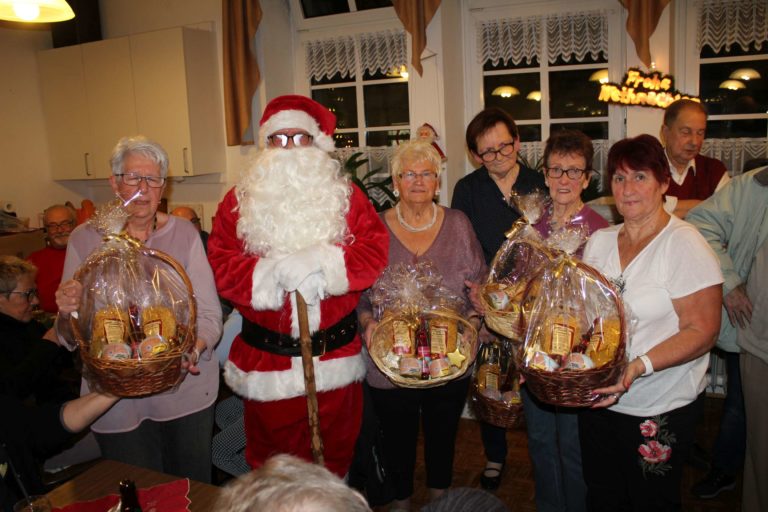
(241, 71)
(416, 15)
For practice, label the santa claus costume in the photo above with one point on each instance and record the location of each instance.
(293, 222)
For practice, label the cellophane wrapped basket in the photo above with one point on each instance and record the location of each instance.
(137, 313)
(421, 339)
(575, 334)
(518, 259)
(495, 393)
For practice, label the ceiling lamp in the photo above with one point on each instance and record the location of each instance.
(745, 74)
(601, 75)
(505, 91)
(398, 72)
(35, 11)
(534, 95)
(732, 85)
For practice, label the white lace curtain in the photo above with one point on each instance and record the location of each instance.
(510, 40)
(569, 35)
(576, 35)
(734, 153)
(723, 23)
(379, 52)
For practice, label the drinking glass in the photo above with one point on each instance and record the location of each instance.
(33, 504)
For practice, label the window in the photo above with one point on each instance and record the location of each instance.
(363, 80)
(318, 8)
(543, 64)
(532, 66)
(733, 69)
(733, 78)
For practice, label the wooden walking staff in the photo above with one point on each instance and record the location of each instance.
(309, 381)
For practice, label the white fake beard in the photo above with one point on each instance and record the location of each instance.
(290, 199)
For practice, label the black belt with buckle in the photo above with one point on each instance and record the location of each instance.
(324, 340)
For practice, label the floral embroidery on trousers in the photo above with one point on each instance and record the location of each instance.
(656, 449)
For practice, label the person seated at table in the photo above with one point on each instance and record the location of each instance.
(288, 484)
(421, 230)
(168, 432)
(29, 434)
(58, 221)
(185, 212)
(32, 364)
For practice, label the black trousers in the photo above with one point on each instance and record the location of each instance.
(636, 463)
(438, 410)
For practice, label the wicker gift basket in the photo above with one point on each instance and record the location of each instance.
(575, 334)
(421, 339)
(518, 259)
(409, 369)
(495, 395)
(516, 262)
(137, 315)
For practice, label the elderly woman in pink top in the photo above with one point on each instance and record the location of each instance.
(421, 230)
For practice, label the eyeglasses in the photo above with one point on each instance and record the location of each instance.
(412, 175)
(298, 139)
(506, 149)
(66, 224)
(29, 294)
(556, 172)
(134, 180)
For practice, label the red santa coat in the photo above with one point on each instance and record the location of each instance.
(262, 377)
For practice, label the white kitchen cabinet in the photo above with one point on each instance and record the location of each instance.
(65, 105)
(178, 99)
(87, 95)
(161, 84)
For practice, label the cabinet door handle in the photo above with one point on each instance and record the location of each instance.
(87, 170)
(184, 157)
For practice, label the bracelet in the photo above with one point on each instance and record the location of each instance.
(196, 351)
(647, 363)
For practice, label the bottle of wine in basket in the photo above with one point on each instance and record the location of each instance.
(423, 349)
(489, 372)
(129, 499)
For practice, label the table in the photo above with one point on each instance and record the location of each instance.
(103, 478)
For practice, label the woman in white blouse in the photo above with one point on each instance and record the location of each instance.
(635, 440)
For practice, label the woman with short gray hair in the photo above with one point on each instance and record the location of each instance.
(170, 432)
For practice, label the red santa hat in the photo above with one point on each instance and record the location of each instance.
(427, 125)
(294, 111)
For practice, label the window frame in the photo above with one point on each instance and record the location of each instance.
(354, 17)
(482, 10)
(688, 55)
(330, 30)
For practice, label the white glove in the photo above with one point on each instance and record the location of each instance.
(312, 288)
(295, 268)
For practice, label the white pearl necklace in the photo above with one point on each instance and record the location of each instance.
(412, 229)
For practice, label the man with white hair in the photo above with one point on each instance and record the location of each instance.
(294, 223)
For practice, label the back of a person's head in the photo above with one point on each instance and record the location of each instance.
(288, 484)
(465, 499)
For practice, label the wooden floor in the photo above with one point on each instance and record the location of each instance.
(517, 488)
